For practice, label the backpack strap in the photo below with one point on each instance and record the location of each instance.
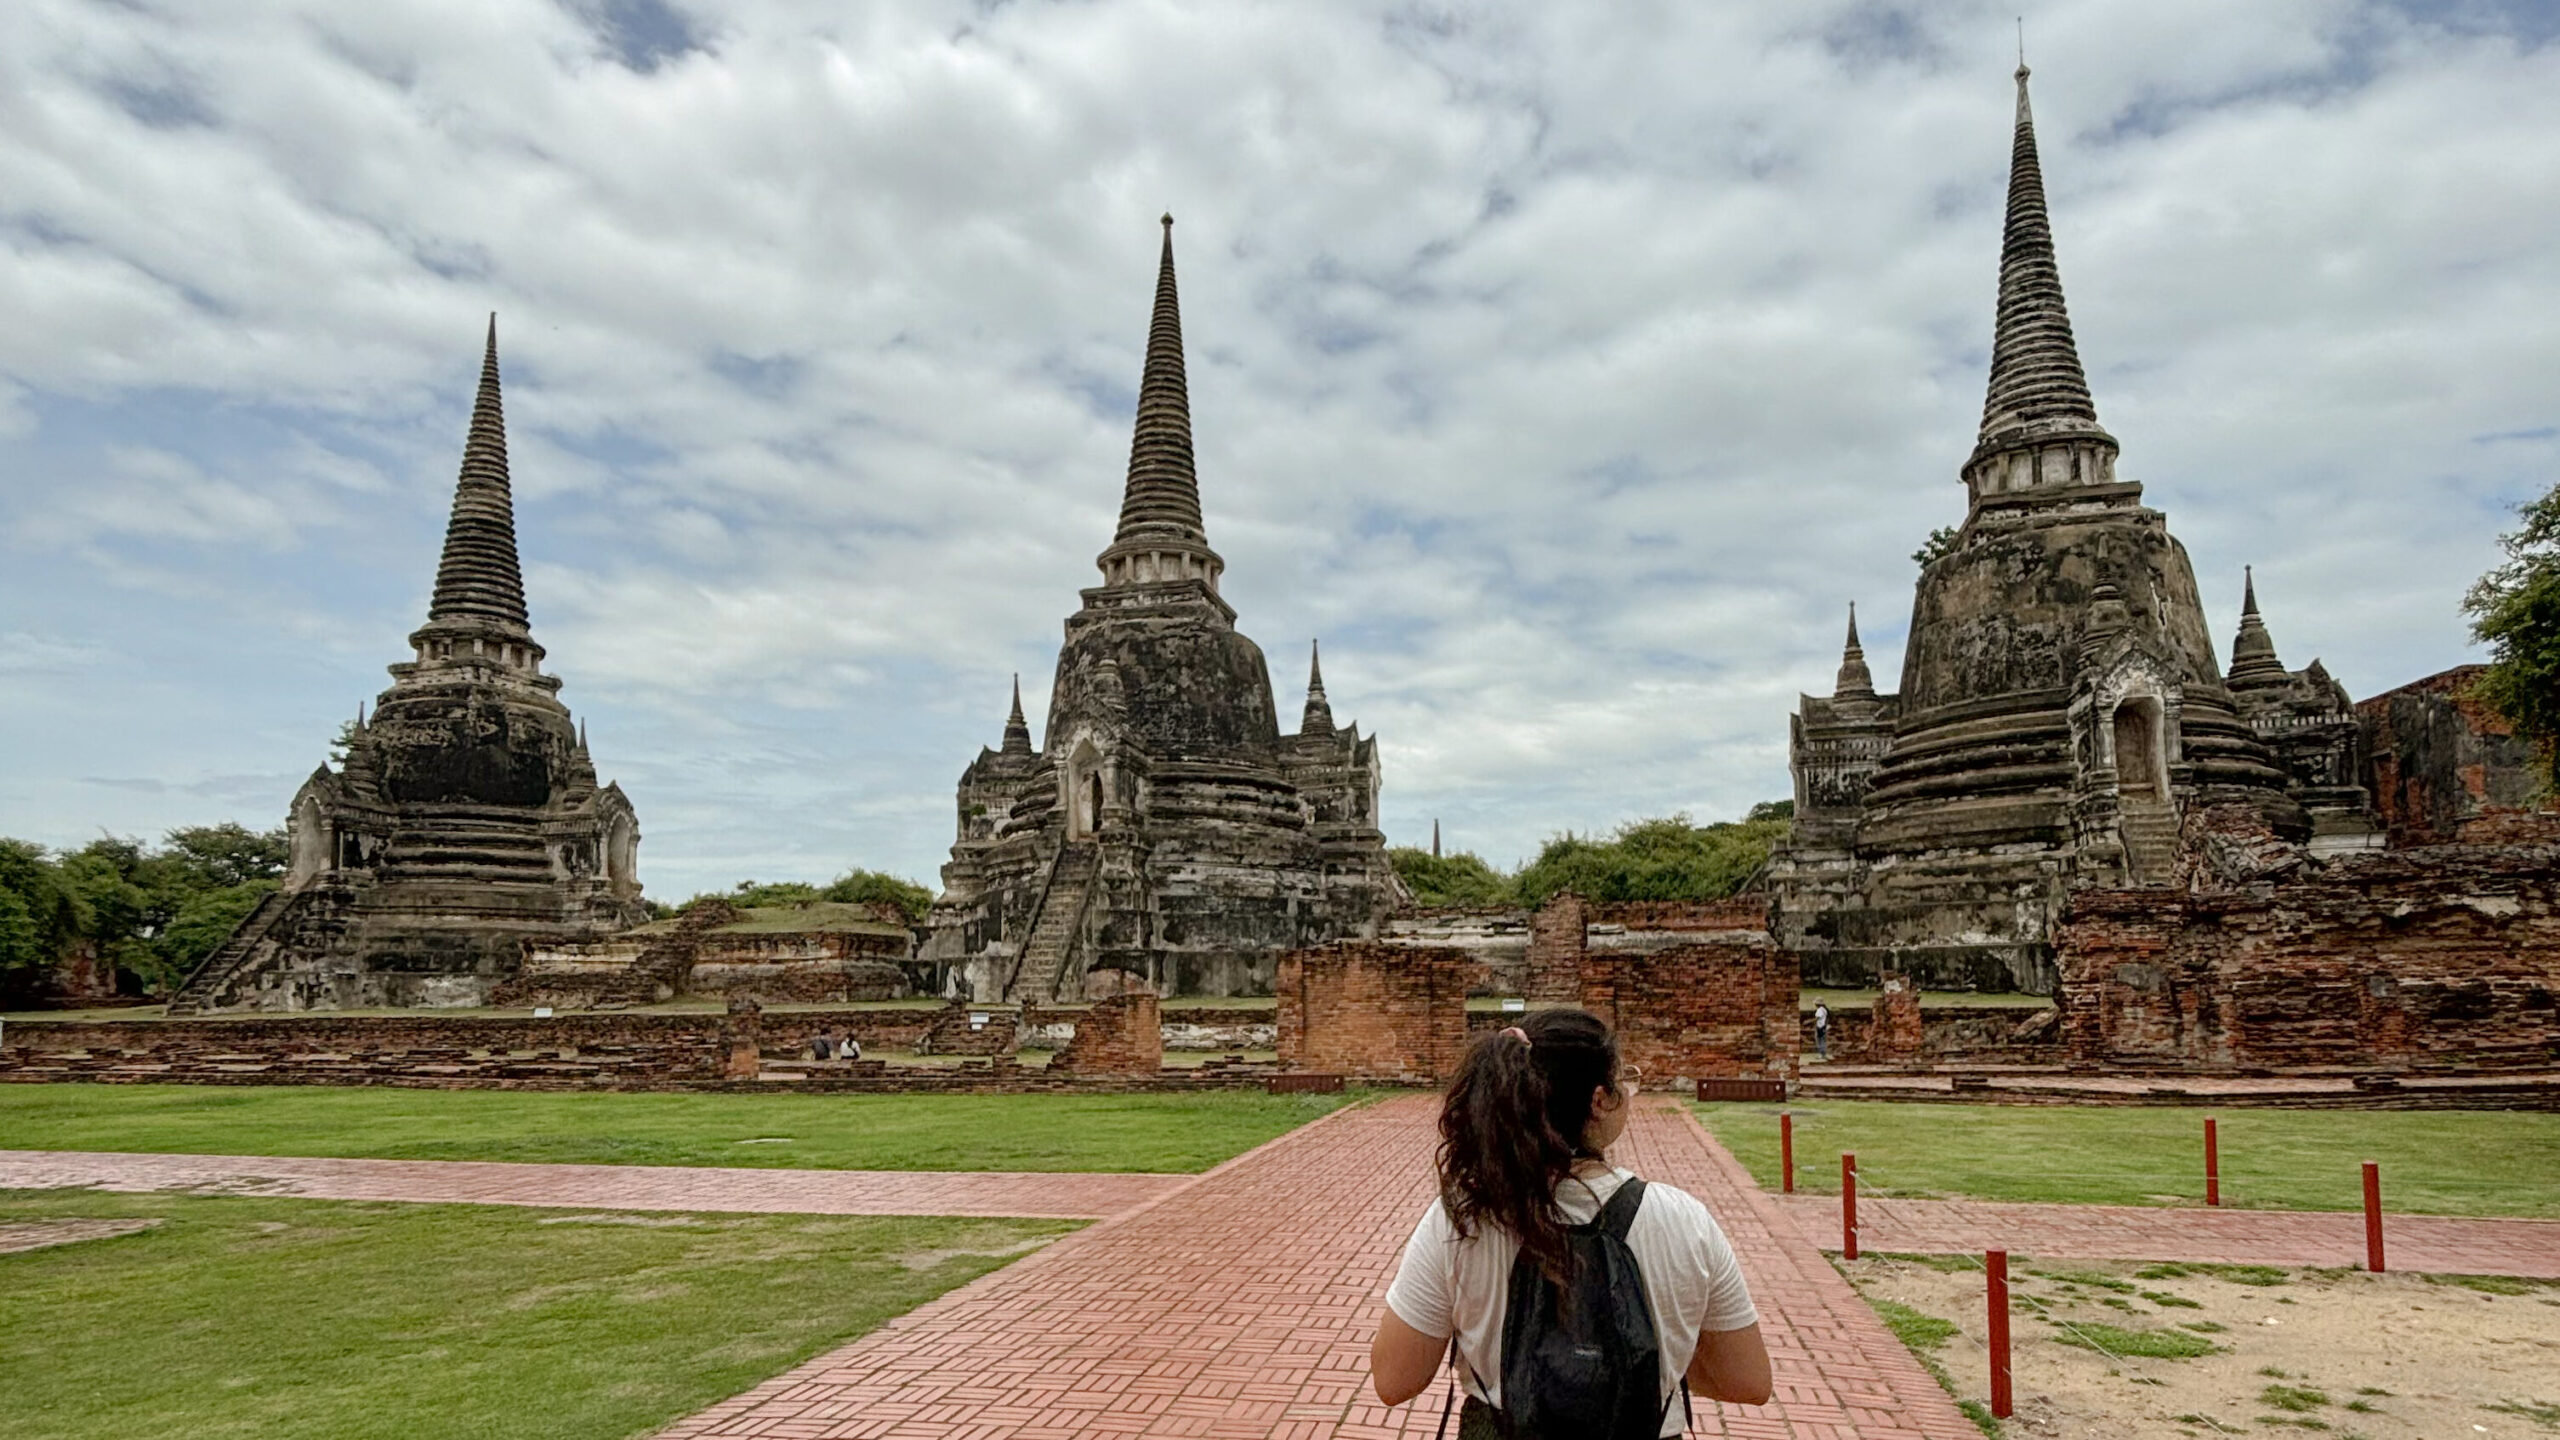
(1619, 1215)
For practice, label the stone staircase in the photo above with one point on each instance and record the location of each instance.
(465, 843)
(1053, 935)
(2150, 835)
(220, 967)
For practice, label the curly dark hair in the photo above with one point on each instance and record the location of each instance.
(1512, 1123)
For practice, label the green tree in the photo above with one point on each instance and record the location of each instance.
(1940, 544)
(1664, 859)
(2515, 610)
(22, 946)
(1463, 879)
(230, 854)
(199, 928)
(858, 887)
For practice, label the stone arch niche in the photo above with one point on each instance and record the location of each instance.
(311, 844)
(1085, 792)
(2141, 756)
(622, 854)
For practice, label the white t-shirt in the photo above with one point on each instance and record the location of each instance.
(1691, 1282)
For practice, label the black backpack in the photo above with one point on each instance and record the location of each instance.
(1590, 1368)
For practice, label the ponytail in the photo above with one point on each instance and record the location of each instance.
(1512, 1123)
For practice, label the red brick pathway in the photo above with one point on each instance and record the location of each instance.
(1242, 1306)
(617, 1187)
(2425, 1243)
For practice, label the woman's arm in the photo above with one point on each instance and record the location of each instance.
(1731, 1365)
(1402, 1359)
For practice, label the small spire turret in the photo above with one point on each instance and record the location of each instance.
(2254, 665)
(1318, 719)
(1854, 682)
(1017, 730)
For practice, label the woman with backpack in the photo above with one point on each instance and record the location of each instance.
(1572, 1298)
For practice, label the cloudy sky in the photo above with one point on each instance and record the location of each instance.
(1567, 368)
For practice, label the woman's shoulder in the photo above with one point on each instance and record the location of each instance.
(1676, 1206)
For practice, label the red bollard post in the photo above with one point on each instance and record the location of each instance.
(1995, 1265)
(2373, 1217)
(1787, 1152)
(1848, 1206)
(2212, 1164)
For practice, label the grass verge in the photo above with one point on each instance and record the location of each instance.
(2441, 1162)
(286, 1319)
(1171, 1134)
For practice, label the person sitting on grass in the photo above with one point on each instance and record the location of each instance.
(1571, 1297)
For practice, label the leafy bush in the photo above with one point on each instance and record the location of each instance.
(1461, 879)
(854, 887)
(1665, 859)
(2515, 611)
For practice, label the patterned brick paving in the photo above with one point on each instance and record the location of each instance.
(1242, 1306)
(616, 1187)
(2426, 1243)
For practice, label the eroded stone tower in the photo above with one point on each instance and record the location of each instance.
(2060, 704)
(465, 819)
(1167, 835)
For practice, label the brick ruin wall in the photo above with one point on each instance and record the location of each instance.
(1695, 991)
(1375, 1011)
(1699, 1011)
(1120, 1035)
(2443, 768)
(2442, 958)
(2003, 1035)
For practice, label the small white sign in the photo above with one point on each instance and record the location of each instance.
(1513, 1005)
(541, 1012)
(977, 1019)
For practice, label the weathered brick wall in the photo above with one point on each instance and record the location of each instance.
(1375, 1012)
(2438, 760)
(1118, 1035)
(1553, 974)
(1740, 912)
(2443, 958)
(1894, 1031)
(1996, 1034)
(951, 1032)
(1698, 1011)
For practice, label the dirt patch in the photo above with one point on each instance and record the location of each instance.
(44, 1234)
(2337, 1352)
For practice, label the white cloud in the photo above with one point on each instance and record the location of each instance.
(1567, 368)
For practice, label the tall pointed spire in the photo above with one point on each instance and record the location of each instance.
(2039, 390)
(1163, 498)
(1855, 683)
(1435, 839)
(479, 578)
(1318, 719)
(1017, 731)
(1161, 539)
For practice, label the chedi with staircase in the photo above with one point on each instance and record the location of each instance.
(2060, 706)
(465, 819)
(1167, 836)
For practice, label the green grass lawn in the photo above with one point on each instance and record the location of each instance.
(1178, 1134)
(2466, 1162)
(284, 1319)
